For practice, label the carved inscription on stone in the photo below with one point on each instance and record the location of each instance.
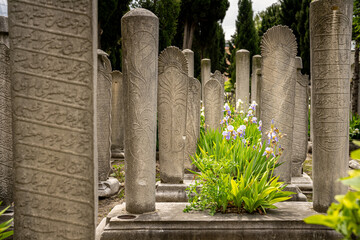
(300, 134)
(214, 101)
(278, 48)
(140, 32)
(103, 93)
(117, 113)
(52, 59)
(330, 28)
(172, 109)
(6, 156)
(192, 120)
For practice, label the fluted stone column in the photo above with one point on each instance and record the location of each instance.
(256, 64)
(190, 59)
(243, 77)
(278, 49)
(205, 74)
(6, 154)
(330, 39)
(54, 74)
(300, 132)
(140, 32)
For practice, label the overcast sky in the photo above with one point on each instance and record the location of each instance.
(232, 12)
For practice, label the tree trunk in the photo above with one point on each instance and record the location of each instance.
(355, 95)
(189, 30)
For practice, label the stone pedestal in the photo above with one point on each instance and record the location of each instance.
(54, 77)
(243, 77)
(330, 39)
(140, 33)
(278, 48)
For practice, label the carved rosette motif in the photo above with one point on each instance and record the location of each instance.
(52, 57)
(117, 112)
(172, 111)
(140, 32)
(103, 93)
(330, 38)
(278, 49)
(300, 133)
(192, 121)
(6, 154)
(214, 101)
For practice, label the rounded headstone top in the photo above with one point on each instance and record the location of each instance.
(243, 51)
(205, 60)
(279, 37)
(172, 56)
(139, 12)
(187, 51)
(257, 56)
(298, 63)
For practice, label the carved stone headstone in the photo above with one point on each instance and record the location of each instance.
(172, 109)
(53, 78)
(330, 38)
(258, 92)
(6, 154)
(214, 101)
(190, 59)
(243, 76)
(192, 121)
(103, 92)
(117, 115)
(278, 49)
(300, 132)
(256, 65)
(205, 74)
(140, 32)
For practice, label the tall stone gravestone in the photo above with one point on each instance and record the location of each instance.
(103, 92)
(300, 133)
(54, 75)
(330, 38)
(278, 49)
(117, 115)
(214, 101)
(193, 111)
(256, 65)
(258, 92)
(205, 74)
(192, 121)
(172, 109)
(140, 32)
(6, 154)
(243, 76)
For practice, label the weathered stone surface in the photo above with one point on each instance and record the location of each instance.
(103, 92)
(108, 188)
(117, 114)
(214, 100)
(172, 109)
(205, 74)
(243, 76)
(256, 65)
(140, 32)
(53, 78)
(354, 164)
(170, 222)
(300, 132)
(6, 154)
(190, 60)
(192, 121)
(258, 92)
(278, 49)
(330, 38)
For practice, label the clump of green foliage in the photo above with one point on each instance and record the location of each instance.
(343, 216)
(118, 172)
(4, 226)
(354, 131)
(236, 168)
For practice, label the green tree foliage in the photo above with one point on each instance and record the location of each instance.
(356, 38)
(289, 10)
(267, 19)
(304, 35)
(168, 12)
(245, 37)
(110, 13)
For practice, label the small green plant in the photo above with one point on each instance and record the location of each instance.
(4, 226)
(236, 168)
(118, 172)
(343, 216)
(354, 126)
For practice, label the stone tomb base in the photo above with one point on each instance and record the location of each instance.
(108, 188)
(304, 183)
(176, 192)
(170, 222)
